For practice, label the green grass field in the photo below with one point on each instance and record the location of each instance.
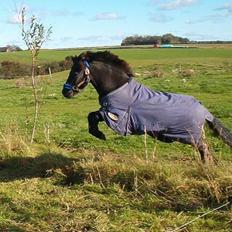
(70, 181)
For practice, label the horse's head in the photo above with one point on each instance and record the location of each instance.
(108, 72)
(78, 78)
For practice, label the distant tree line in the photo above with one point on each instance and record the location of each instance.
(213, 42)
(148, 40)
(164, 39)
(11, 69)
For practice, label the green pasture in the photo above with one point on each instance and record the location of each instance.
(211, 83)
(70, 181)
(136, 56)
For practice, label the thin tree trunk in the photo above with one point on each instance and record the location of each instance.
(36, 99)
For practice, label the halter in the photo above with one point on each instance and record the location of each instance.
(86, 80)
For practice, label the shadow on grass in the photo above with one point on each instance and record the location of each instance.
(11, 228)
(16, 168)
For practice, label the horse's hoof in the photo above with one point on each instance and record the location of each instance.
(101, 136)
(98, 134)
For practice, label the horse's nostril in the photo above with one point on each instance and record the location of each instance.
(67, 93)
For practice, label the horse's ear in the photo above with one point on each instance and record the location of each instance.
(74, 58)
(88, 56)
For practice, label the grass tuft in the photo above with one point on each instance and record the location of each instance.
(12, 141)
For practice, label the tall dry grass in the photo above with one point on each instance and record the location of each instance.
(12, 141)
(177, 184)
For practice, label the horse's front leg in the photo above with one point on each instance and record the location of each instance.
(93, 119)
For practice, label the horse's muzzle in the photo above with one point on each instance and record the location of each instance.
(67, 93)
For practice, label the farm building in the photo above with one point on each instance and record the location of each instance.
(10, 48)
(163, 46)
(4, 49)
(169, 46)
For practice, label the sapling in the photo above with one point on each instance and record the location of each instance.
(34, 35)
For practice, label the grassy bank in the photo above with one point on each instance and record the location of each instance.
(79, 190)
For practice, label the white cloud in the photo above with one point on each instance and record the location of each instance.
(91, 38)
(221, 14)
(154, 1)
(200, 37)
(107, 16)
(213, 18)
(160, 18)
(15, 19)
(59, 13)
(117, 37)
(176, 4)
(88, 40)
(66, 12)
(94, 38)
(227, 8)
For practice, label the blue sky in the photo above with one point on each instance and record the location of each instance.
(78, 23)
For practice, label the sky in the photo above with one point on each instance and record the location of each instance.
(81, 23)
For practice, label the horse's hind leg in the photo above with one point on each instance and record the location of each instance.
(206, 156)
(203, 148)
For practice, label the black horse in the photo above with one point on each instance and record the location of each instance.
(128, 107)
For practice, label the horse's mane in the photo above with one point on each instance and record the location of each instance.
(108, 58)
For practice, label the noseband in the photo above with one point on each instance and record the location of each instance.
(86, 73)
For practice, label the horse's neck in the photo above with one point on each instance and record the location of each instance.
(107, 78)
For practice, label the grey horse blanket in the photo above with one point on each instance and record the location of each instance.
(135, 109)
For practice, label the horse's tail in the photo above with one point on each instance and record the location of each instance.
(223, 132)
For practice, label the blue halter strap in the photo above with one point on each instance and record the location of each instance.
(68, 86)
(86, 64)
